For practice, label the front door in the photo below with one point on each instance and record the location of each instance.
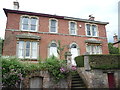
(111, 80)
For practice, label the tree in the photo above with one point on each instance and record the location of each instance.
(1, 45)
(112, 50)
(60, 49)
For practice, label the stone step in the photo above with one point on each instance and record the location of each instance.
(77, 82)
(74, 85)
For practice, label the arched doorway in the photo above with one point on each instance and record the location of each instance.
(53, 49)
(74, 51)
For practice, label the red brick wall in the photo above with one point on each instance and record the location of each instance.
(13, 22)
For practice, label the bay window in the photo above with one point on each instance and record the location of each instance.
(27, 49)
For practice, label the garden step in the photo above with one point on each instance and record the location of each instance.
(77, 81)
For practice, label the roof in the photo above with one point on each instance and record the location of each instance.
(116, 42)
(52, 16)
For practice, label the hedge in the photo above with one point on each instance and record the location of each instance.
(80, 61)
(104, 61)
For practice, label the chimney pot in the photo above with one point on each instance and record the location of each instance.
(91, 18)
(16, 5)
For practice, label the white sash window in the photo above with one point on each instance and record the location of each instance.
(27, 49)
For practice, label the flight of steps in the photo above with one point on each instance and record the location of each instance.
(77, 81)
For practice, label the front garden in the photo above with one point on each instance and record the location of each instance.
(14, 70)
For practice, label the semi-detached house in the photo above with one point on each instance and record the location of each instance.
(31, 35)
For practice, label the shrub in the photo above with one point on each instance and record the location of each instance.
(80, 61)
(57, 68)
(12, 71)
(104, 61)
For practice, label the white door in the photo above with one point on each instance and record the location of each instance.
(74, 52)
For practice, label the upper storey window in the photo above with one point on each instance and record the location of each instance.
(73, 28)
(29, 23)
(53, 25)
(91, 30)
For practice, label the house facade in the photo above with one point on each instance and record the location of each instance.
(31, 35)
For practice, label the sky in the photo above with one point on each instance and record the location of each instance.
(102, 10)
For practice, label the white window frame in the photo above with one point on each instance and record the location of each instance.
(24, 50)
(29, 23)
(50, 25)
(75, 28)
(93, 47)
(91, 33)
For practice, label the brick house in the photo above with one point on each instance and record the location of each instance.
(116, 42)
(30, 35)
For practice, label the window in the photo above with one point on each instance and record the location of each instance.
(73, 28)
(27, 49)
(94, 49)
(29, 23)
(53, 26)
(91, 30)
(53, 50)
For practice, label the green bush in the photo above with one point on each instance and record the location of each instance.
(80, 61)
(57, 68)
(104, 61)
(13, 70)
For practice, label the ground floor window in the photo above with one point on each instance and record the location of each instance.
(94, 49)
(27, 49)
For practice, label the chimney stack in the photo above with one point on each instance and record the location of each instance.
(91, 18)
(16, 5)
(115, 38)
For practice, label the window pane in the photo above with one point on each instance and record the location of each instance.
(53, 26)
(73, 46)
(25, 20)
(53, 45)
(94, 30)
(33, 21)
(21, 49)
(88, 29)
(27, 48)
(27, 52)
(72, 28)
(53, 23)
(53, 29)
(25, 27)
(33, 27)
(34, 50)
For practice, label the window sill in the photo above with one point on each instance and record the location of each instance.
(28, 31)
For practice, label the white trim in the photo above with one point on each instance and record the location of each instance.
(50, 25)
(37, 23)
(97, 31)
(76, 29)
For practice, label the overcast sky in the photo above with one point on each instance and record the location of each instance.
(102, 10)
